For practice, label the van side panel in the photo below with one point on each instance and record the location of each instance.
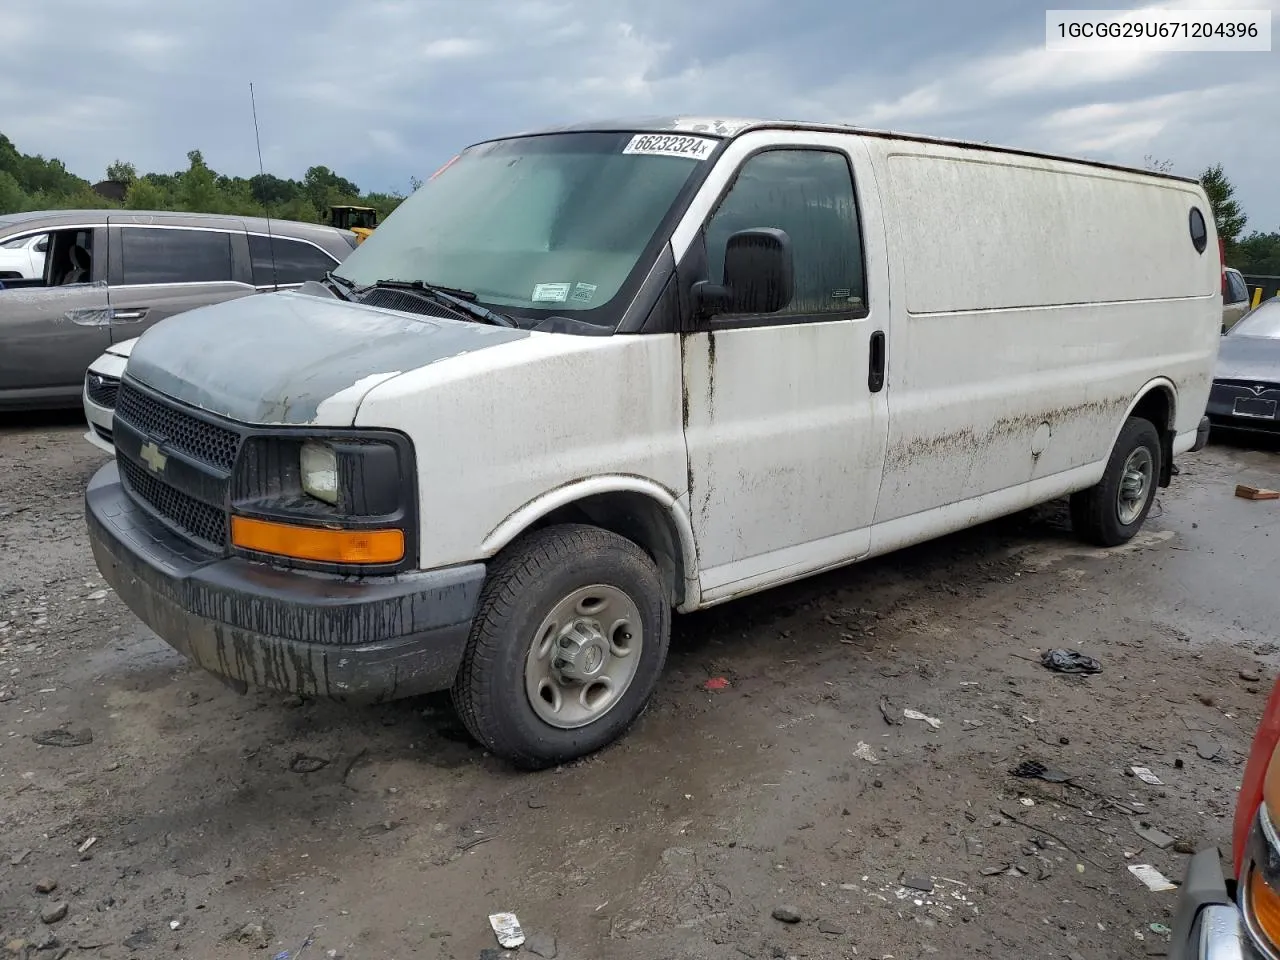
(1035, 299)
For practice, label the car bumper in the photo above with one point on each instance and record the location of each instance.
(100, 420)
(373, 639)
(1207, 925)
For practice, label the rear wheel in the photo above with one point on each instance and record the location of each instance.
(1112, 511)
(567, 646)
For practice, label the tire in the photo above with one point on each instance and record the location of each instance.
(1098, 514)
(553, 571)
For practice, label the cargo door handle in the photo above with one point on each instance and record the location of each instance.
(875, 367)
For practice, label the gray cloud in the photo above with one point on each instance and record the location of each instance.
(387, 89)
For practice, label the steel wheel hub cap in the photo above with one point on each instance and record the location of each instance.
(1135, 485)
(584, 656)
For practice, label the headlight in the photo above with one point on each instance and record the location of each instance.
(318, 464)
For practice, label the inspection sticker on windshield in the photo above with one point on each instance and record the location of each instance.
(671, 145)
(551, 292)
(583, 292)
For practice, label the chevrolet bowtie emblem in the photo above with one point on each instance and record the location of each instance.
(152, 457)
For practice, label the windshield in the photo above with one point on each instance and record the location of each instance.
(553, 224)
(1262, 322)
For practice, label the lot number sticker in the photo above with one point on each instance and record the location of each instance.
(671, 145)
(551, 292)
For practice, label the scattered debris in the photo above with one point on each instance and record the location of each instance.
(890, 716)
(1061, 660)
(995, 871)
(1246, 492)
(1184, 846)
(46, 885)
(1206, 747)
(18, 859)
(98, 595)
(54, 912)
(542, 945)
(1250, 676)
(917, 715)
(86, 846)
(5, 695)
(1155, 881)
(302, 763)
(1160, 929)
(864, 752)
(786, 914)
(174, 924)
(1153, 835)
(716, 683)
(923, 884)
(253, 934)
(284, 954)
(1146, 776)
(830, 929)
(536, 804)
(506, 927)
(974, 847)
(1035, 770)
(62, 737)
(1027, 802)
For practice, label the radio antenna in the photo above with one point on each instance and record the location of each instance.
(266, 203)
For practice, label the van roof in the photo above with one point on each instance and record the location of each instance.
(730, 127)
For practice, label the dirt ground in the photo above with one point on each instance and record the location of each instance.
(179, 819)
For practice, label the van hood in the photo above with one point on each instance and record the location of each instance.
(294, 358)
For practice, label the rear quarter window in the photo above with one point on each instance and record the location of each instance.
(285, 261)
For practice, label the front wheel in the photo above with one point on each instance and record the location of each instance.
(567, 646)
(1112, 511)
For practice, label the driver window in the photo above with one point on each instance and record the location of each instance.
(809, 194)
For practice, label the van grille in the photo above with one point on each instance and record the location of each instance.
(192, 518)
(202, 441)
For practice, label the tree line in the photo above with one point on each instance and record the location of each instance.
(30, 182)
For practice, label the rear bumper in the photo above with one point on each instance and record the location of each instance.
(1207, 925)
(373, 639)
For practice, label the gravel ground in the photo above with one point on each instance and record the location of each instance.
(794, 813)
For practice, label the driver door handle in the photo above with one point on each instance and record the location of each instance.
(130, 315)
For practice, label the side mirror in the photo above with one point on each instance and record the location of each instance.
(759, 275)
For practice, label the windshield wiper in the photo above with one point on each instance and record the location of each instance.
(339, 285)
(463, 300)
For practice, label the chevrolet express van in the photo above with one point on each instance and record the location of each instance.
(588, 377)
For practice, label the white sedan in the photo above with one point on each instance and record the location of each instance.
(23, 258)
(101, 384)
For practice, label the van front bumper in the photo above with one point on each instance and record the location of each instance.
(348, 638)
(1207, 925)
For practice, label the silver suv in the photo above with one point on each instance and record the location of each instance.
(1235, 297)
(109, 274)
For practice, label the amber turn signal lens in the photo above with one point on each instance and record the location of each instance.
(320, 544)
(1264, 904)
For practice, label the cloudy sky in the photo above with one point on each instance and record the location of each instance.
(381, 90)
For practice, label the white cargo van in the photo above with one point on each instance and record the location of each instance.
(587, 377)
